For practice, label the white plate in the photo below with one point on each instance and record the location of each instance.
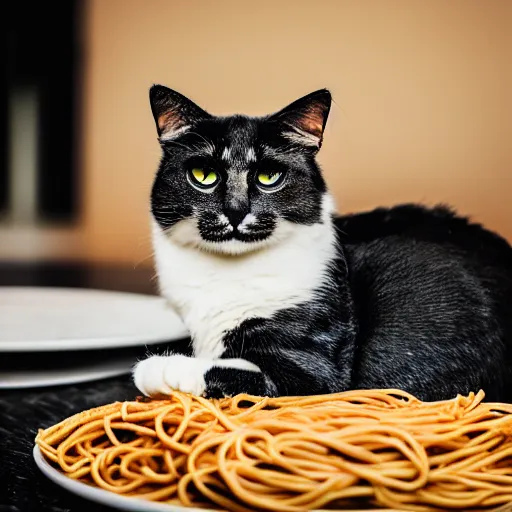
(123, 502)
(102, 496)
(49, 319)
(17, 379)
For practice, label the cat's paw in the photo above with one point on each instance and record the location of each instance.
(163, 374)
(228, 381)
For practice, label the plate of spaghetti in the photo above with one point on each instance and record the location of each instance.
(365, 449)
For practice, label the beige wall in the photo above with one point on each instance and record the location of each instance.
(422, 112)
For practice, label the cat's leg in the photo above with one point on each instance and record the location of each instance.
(261, 358)
(284, 374)
(163, 374)
(221, 381)
(292, 360)
(281, 373)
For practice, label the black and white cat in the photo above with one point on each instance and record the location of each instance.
(282, 297)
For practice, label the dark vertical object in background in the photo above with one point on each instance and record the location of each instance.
(58, 114)
(43, 48)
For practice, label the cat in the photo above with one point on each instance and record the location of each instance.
(284, 297)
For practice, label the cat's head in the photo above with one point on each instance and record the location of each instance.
(235, 184)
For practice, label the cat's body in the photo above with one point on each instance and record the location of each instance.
(432, 300)
(283, 297)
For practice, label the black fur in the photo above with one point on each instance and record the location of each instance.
(417, 299)
(433, 295)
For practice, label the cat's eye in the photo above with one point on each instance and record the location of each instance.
(203, 177)
(269, 179)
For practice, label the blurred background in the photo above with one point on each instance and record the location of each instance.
(423, 107)
(422, 113)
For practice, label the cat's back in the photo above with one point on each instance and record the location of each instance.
(428, 286)
(423, 248)
(439, 225)
(437, 233)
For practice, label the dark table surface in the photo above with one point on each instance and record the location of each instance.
(22, 487)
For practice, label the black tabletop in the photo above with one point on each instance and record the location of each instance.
(22, 487)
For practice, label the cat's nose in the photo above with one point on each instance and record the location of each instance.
(235, 216)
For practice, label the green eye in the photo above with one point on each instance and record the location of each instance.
(269, 178)
(204, 178)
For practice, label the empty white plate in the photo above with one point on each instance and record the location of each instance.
(56, 319)
(74, 374)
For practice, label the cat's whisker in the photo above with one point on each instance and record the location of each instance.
(242, 347)
(143, 260)
(201, 137)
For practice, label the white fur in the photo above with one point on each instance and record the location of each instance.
(224, 222)
(271, 152)
(226, 154)
(172, 134)
(247, 221)
(302, 137)
(251, 155)
(214, 291)
(162, 374)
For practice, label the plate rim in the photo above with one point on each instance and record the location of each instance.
(66, 380)
(49, 345)
(120, 502)
(102, 496)
(90, 344)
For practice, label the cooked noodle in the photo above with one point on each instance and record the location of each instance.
(380, 448)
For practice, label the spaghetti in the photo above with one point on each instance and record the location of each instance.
(375, 448)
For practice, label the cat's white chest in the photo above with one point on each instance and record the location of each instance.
(214, 294)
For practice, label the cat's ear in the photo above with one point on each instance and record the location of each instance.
(173, 112)
(304, 120)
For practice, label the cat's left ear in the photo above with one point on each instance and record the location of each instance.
(303, 121)
(173, 112)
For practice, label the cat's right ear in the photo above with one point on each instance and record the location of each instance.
(173, 112)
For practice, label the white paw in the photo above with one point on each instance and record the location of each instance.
(163, 374)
